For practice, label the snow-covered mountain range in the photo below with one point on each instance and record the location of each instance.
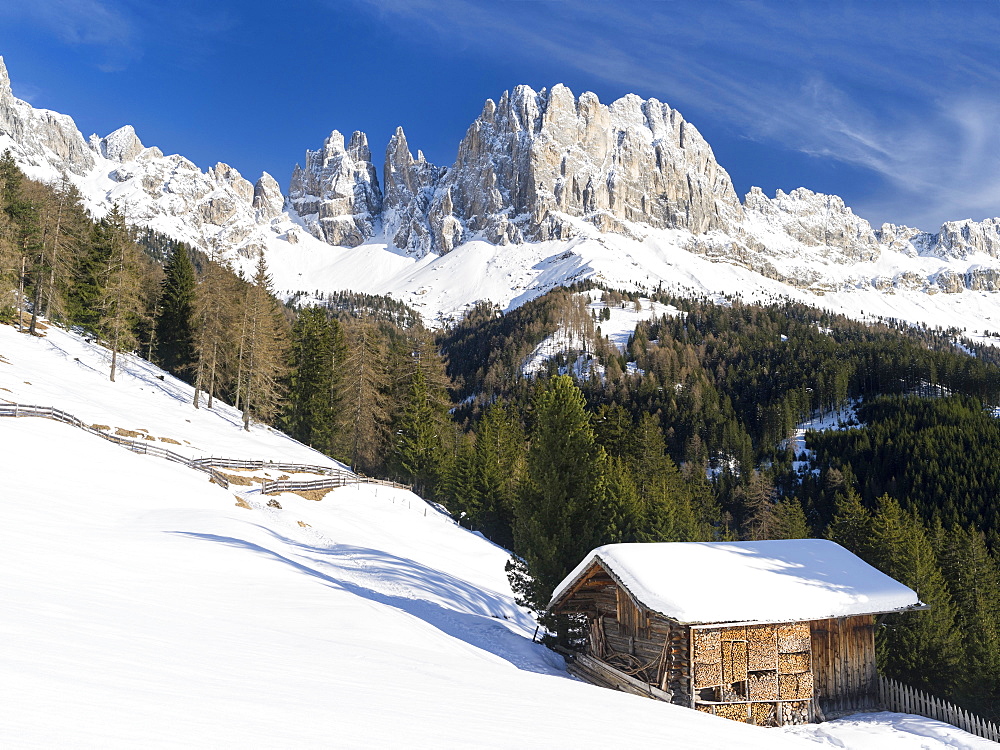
(547, 188)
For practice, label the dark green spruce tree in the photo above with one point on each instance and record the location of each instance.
(562, 512)
(418, 433)
(974, 582)
(498, 471)
(175, 316)
(923, 649)
(317, 357)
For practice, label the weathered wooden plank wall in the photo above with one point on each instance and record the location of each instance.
(844, 670)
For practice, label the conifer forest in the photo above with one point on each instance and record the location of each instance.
(683, 436)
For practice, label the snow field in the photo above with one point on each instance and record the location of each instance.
(66, 371)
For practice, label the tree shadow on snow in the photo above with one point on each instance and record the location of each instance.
(479, 618)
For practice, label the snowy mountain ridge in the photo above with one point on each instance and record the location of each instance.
(547, 188)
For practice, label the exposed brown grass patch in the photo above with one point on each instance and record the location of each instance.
(283, 477)
(102, 427)
(150, 437)
(170, 440)
(273, 503)
(122, 432)
(316, 495)
(241, 503)
(26, 323)
(304, 525)
(239, 480)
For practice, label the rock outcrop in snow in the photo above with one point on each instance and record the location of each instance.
(337, 194)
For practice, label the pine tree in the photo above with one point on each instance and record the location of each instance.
(622, 512)
(561, 513)
(757, 500)
(666, 507)
(973, 578)
(22, 242)
(175, 317)
(789, 520)
(83, 298)
(418, 437)
(457, 486)
(851, 526)
(919, 648)
(499, 467)
(363, 420)
(121, 302)
(215, 315)
(262, 350)
(315, 391)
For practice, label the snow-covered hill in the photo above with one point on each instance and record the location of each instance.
(144, 606)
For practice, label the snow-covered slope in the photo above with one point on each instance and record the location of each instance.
(144, 606)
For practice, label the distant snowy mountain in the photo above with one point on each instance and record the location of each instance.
(546, 189)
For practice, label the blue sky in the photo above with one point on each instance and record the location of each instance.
(894, 106)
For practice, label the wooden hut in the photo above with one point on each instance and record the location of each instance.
(769, 633)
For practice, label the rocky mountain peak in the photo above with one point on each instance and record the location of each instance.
(122, 145)
(39, 137)
(337, 193)
(410, 185)
(267, 197)
(813, 219)
(536, 161)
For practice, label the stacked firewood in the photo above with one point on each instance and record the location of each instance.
(759, 674)
(796, 712)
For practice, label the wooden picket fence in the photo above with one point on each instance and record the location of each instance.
(210, 465)
(895, 696)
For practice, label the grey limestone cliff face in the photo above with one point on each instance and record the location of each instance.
(529, 169)
(121, 146)
(337, 192)
(535, 161)
(960, 239)
(41, 136)
(409, 186)
(267, 198)
(955, 239)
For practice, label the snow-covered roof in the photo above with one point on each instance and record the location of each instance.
(770, 581)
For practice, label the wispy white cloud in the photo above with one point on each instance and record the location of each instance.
(82, 22)
(910, 94)
(119, 30)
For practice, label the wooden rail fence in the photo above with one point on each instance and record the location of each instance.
(340, 479)
(211, 465)
(895, 696)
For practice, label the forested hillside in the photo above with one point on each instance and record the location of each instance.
(683, 435)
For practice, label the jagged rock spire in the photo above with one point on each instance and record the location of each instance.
(337, 192)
